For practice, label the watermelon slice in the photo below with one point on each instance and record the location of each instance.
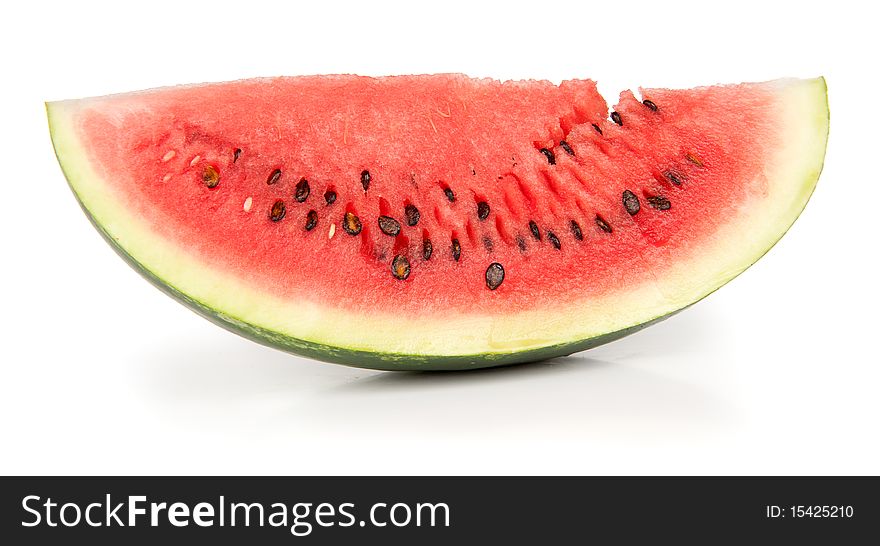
(441, 222)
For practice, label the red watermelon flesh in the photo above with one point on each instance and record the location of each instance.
(267, 181)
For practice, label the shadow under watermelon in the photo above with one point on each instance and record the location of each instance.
(622, 392)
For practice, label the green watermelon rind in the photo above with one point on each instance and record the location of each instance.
(428, 362)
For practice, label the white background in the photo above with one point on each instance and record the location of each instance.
(777, 373)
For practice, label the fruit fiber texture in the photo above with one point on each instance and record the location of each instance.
(441, 222)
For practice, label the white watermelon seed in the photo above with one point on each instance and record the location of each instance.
(332, 231)
(195, 160)
(166, 178)
(248, 203)
(169, 155)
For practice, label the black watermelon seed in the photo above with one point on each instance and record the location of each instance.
(427, 249)
(494, 275)
(210, 176)
(554, 240)
(597, 128)
(615, 117)
(365, 179)
(456, 250)
(276, 213)
(564, 145)
(650, 104)
(400, 267)
(533, 227)
(482, 210)
(351, 223)
(311, 220)
(302, 190)
(449, 194)
(603, 225)
(521, 243)
(576, 230)
(488, 244)
(273, 177)
(329, 197)
(673, 177)
(631, 202)
(551, 159)
(659, 202)
(412, 215)
(236, 154)
(389, 225)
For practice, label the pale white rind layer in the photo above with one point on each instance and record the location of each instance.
(802, 118)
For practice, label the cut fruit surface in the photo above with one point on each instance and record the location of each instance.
(441, 222)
